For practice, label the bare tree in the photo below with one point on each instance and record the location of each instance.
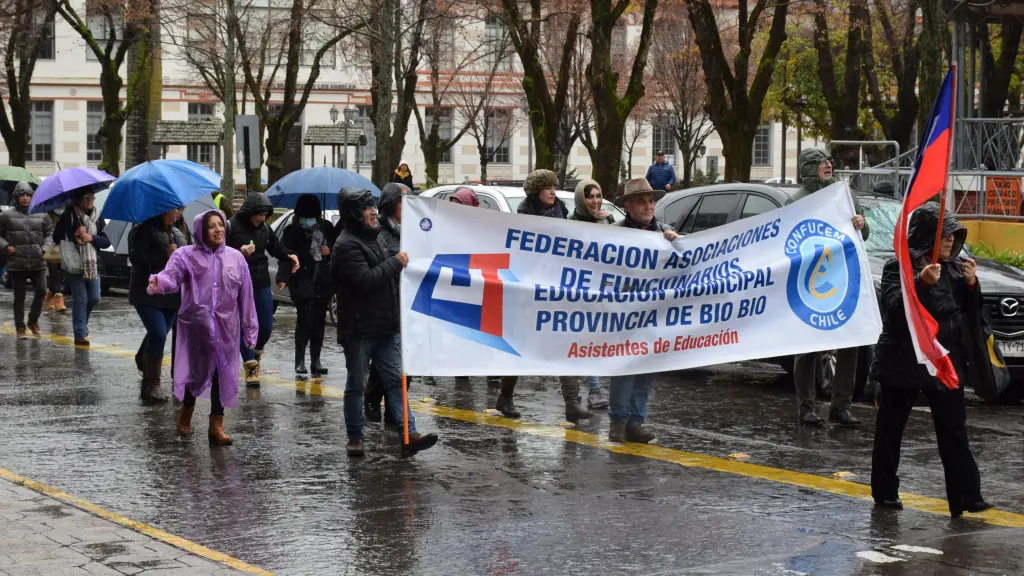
(491, 118)
(110, 28)
(636, 129)
(25, 31)
(680, 93)
(899, 64)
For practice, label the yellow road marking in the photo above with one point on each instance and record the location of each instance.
(688, 459)
(146, 529)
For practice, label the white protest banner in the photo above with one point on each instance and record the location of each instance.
(489, 293)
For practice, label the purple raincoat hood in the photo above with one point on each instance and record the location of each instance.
(199, 234)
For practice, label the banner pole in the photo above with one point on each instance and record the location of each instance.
(949, 162)
(405, 410)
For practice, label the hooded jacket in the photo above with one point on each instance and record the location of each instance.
(241, 232)
(581, 211)
(390, 237)
(397, 177)
(953, 305)
(807, 173)
(147, 251)
(313, 278)
(30, 234)
(217, 311)
(466, 197)
(365, 277)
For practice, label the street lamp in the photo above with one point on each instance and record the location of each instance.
(524, 104)
(334, 122)
(350, 116)
(334, 114)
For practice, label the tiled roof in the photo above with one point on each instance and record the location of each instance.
(182, 132)
(333, 135)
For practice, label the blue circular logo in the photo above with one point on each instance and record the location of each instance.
(426, 224)
(824, 274)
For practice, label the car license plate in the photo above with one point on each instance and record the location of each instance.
(1012, 348)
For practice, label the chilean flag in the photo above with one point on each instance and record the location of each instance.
(931, 173)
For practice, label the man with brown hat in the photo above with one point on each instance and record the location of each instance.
(541, 201)
(628, 398)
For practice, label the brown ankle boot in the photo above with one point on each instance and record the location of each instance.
(216, 433)
(185, 420)
(48, 303)
(58, 303)
(151, 368)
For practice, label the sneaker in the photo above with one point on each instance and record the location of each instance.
(355, 449)
(617, 431)
(640, 435)
(418, 443)
(597, 400)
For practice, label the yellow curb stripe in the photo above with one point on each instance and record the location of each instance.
(155, 533)
(688, 459)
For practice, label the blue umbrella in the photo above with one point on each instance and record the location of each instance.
(56, 190)
(323, 181)
(156, 187)
(117, 231)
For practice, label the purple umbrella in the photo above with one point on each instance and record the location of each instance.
(57, 190)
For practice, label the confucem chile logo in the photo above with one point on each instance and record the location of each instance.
(466, 291)
(824, 274)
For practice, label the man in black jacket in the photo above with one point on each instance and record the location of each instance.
(369, 318)
(950, 292)
(249, 233)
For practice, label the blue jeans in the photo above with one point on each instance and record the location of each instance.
(593, 383)
(627, 398)
(158, 323)
(264, 299)
(85, 294)
(386, 354)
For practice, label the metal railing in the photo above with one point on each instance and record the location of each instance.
(990, 144)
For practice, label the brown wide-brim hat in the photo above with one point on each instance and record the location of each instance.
(636, 187)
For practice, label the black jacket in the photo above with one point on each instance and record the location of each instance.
(653, 226)
(69, 223)
(241, 232)
(390, 237)
(313, 279)
(531, 207)
(147, 251)
(951, 303)
(365, 278)
(407, 180)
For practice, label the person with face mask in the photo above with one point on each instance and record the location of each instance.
(541, 200)
(369, 324)
(216, 292)
(80, 230)
(249, 233)
(951, 293)
(24, 238)
(310, 237)
(815, 170)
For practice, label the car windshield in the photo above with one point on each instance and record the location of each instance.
(881, 216)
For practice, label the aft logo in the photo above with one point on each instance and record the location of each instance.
(824, 275)
(466, 291)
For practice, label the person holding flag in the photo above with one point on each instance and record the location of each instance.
(929, 296)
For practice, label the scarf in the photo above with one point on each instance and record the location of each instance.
(555, 211)
(402, 173)
(90, 270)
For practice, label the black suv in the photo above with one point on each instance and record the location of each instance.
(696, 209)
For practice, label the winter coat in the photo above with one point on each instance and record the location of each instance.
(654, 226)
(69, 222)
(313, 278)
(951, 303)
(30, 234)
(807, 173)
(659, 175)
(241, 232)
(147, 251)
(390, 237)
(365, 277)
(531, 207)
(396, 177)
(217, 311)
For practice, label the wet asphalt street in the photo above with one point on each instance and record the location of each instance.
(496, 497)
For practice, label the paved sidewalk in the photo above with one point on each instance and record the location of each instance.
(40, 535)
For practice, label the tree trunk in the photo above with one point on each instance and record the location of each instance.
(277, 142)
(382, 92)
(934, 36)
(738, 150)
(483, 165)
(17, 142)
(227, 182)
(113, 121)
(687, 166)
(998, 73)
(432, 152)
(608, 154)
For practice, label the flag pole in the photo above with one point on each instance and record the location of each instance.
(405, 409)
(952, 149)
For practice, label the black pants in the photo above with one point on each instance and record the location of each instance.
(19, 280)
(309, 329)
(963, 481)
(216, 409)
(375, 388)
(54, 278)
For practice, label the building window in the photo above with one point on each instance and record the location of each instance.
(763, 146)
(499, 47)
(200, 153)
(444, 116)
(366, 153)
(663, 139)
(93, 123)
(498, 136)
(40, 147)
(45, 50)
(100, 26)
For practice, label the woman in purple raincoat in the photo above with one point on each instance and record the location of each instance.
(215, 293)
